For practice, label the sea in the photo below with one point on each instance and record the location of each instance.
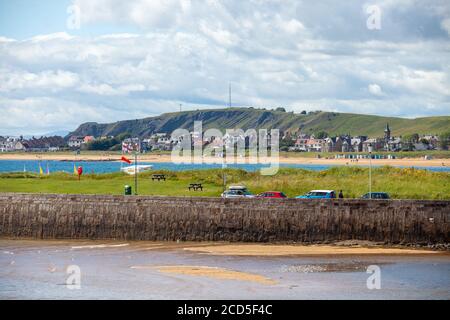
(114, 166)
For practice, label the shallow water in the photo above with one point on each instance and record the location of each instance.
(32, 269)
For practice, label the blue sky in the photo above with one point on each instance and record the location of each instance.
(137, 58)
(23, 19)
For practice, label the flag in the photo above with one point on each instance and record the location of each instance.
(75, 171)
(124, 159)
(40, 169)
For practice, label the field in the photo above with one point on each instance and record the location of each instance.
(399, 183)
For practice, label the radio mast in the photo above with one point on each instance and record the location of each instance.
(229, 95)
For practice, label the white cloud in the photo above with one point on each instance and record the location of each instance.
(52, 81)
(52, 36)
(445, 24)
(375, 89)
(274, 53)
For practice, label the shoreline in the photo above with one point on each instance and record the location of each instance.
(407, 162)
(224, 248)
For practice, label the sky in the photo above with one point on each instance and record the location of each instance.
(65, 62)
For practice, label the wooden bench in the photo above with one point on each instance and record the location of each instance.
(195, 186)
(159, 177)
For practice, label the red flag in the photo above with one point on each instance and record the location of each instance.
(125, 159)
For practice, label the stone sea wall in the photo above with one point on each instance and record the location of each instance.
(47, 216)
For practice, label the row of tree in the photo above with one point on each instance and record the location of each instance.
(108, 144)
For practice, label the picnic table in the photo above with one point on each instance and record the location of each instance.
(159, 177)
(195, 186)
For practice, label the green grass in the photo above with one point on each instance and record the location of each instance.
(400, 183)
(245, 118)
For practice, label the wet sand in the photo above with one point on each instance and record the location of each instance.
(211, 272)
(302, 250)
(415, 162)
(37, 269)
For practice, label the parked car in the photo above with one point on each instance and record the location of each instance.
(376, 195)
(318, 194)
(272, 194)
(237, 192)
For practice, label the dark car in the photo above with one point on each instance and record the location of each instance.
(376, 195)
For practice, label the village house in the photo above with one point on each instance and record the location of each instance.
(357, 143)
(75, 142)
(131, 145)
(158, 141)
(88, 139)
(394, 144)
(9, 144)
(376, 144)
(314, 145)
(433, 141)
(301, 144)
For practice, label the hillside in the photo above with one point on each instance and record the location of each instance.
(245, 118)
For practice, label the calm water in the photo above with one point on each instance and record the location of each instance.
(114, 166)
(38, 270)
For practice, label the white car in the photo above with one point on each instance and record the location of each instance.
(237, 192)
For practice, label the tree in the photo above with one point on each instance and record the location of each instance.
(107, 144)
(411, 138)
(303, 112)
(286, 143)
(280, 109)
(444, 140)
(320, 135)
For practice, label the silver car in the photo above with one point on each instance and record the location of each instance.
(237, 192)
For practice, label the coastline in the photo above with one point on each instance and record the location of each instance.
(225, 248)
(408, 162)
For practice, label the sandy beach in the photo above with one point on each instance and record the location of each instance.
(301, 250)
(410, 162)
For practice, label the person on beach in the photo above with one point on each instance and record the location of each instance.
(341, 195)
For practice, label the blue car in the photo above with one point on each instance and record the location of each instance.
(318, 194)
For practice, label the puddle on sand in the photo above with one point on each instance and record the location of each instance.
(328, 267)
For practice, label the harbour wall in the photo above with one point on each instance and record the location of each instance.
(49, 216)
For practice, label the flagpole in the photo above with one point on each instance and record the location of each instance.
(135, 174)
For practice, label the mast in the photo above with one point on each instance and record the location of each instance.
(229, 95)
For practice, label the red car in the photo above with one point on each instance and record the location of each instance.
(272, 194)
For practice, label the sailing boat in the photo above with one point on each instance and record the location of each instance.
(139, 168)
(134, 167)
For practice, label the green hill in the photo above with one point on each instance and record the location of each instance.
(246, 118)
